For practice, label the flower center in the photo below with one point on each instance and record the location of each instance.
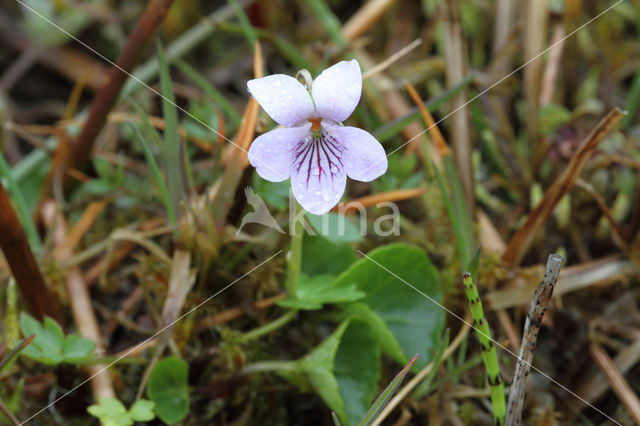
(315, 124)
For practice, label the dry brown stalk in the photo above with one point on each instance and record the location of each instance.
(593, 385)
(521, 241)
(531, 328)
(535, 21)
(599, 272)
(80, 300)
(619, 385)
(106, 97)
(374, 199)
(456, 70)
(234, 313)
(33, 289)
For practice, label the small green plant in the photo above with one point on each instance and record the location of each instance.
(111, 412)
(50, 345)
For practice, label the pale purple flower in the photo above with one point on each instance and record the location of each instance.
(313, 148)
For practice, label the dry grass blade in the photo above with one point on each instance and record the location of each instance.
(530, 337)
(594, 385)
(365, 18)
(456, 70)
(180, 283)
(441, 145)
(617, 381)
(236, 156)
(375, 199)
(81, 307)
(599, 272)
(415, 380)
(521, 241)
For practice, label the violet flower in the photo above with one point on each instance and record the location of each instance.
(313, 148)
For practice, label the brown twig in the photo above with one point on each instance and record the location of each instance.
(39, 300)
(5, 410)
(521, 241)
(152, 17)
(617, 381)
(531, 329)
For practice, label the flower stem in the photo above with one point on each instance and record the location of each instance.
(269, 327)
(294, 257)
(269, 366)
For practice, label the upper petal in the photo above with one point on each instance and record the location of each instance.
(272, 153)
(283, 98)
(318, 177)
(336, 91)
(364, 158)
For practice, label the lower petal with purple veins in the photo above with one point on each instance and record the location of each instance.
(318, 176)
(271, 154)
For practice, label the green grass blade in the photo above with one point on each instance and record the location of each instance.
(20, 205)
(209, 90)
(461, 212)
(461, 239)
(489, 354)
(329, 21)
(173, 168)
(247, 28)
(379, 404)
(157, 175)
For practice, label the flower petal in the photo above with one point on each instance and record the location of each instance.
(364, 158)
(272, 153)
(283, 98)
(336, 91)
(318, 177)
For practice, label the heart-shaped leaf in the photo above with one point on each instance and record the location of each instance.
(168, 389)
(402, 288)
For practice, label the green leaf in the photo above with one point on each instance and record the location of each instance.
(50, 346)
(313, 292)
(381, 331)
(551, 116)
(76, 348)
(142, 411)
(169, 390)
(337, 228)
(357, 369)
(315, 372)
(111, 412)
(399, 279)
(321, 256)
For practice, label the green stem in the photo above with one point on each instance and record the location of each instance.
(489, 355)
(269, 327)
(294, 256)
(270, 366)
